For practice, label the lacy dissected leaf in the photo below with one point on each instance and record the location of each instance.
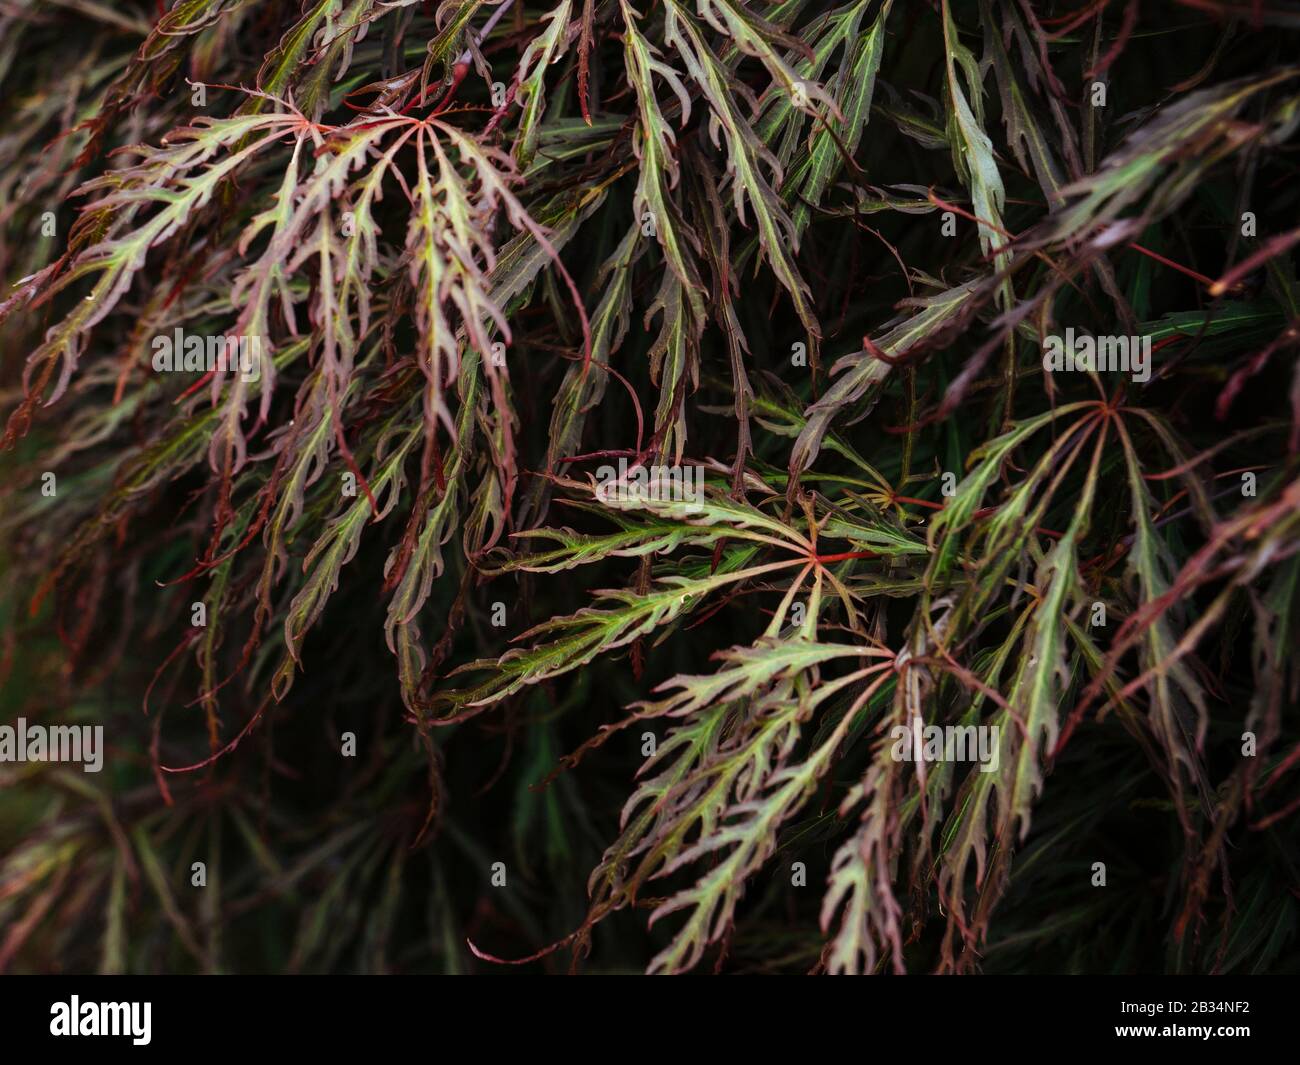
(539, 506)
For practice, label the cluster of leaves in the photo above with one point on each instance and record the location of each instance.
(813, 250)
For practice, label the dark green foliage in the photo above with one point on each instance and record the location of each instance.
(817, 253)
